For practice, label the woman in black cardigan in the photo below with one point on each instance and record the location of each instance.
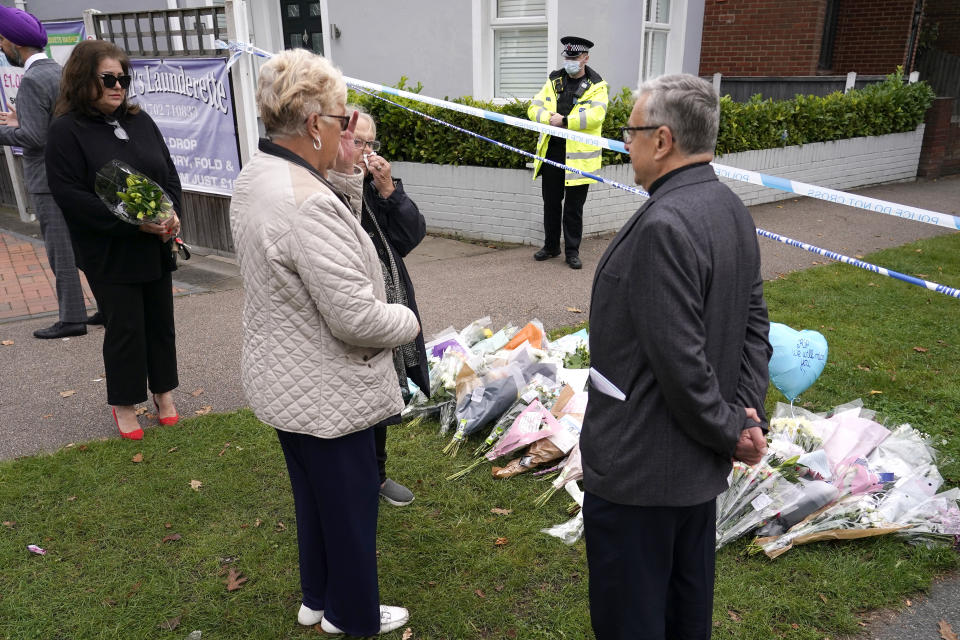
(128, 267)
(396, 227)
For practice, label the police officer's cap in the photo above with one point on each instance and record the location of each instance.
(573, 46)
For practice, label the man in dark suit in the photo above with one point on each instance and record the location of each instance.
(22, 39)
(678, 344)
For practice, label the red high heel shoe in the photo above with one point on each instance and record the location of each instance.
(174, 419)
(133, 435)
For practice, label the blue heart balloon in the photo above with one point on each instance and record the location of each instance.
(798, 358)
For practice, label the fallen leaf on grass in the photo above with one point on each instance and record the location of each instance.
(920, 349)
(172, 449)
(874, 392)
(7, 343)
(195, 485)
(170, 624)
(501, 512)
(500, 542)
(733, 615)
(137, 458)
(196, 392)
(574, 309)
(498, 588)
(173, 537)
(235, 580)
(224, 450)
(511, 633)
(407, 634)
(480, 593)
(204, 410)
(167, 525)
(908, 602)
(67, 394)
(280, 526)
(946, 631)
(134, 589)
(863, 368)
(9, 524)
(257, 522)
(71, 498)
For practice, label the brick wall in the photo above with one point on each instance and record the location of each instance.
(945, 14)
(872, 35)
(940, 154)
(761, 37)
(505, 204)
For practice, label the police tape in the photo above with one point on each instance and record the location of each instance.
(559, 165)
(744, 175)
(932, 286)
(740, 174)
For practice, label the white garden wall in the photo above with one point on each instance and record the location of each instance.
(505, 205)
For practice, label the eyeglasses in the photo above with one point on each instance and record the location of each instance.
(344, 120)
(118, 130)
(627, 132)
(373, 144)
(110, 80)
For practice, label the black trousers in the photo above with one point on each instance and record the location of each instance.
(561, 204)
(139, 345)
(651, 570)
(336, 495)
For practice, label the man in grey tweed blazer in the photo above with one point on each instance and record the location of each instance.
(679, 354)
(23, 39)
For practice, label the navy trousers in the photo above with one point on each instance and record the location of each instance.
(564, 205)
(336, 494)
(651, 570)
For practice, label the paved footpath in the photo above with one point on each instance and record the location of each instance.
(455, 283)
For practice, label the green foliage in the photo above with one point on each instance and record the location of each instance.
(887, 107)
(579, 359)
(878, 109)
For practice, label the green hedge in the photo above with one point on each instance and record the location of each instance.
(887, 107)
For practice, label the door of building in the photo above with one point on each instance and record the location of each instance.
(302, 25)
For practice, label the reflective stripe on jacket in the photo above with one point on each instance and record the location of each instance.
(586, 115)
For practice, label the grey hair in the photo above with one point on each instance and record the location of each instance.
(686, 104)
(364, 115)
(294, 84)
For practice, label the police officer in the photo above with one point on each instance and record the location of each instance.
(574, 97)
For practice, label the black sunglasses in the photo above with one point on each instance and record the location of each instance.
(110, 80)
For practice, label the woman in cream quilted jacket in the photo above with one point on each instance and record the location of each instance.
(317, 357)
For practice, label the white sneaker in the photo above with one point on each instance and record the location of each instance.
(308, 617)
(391, 618)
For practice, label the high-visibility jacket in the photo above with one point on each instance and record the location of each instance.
(586, 115)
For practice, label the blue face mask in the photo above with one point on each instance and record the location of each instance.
(572, 67)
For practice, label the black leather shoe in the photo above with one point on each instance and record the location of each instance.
(95, 319)
(543, 254)
(574, 262)
(61, 330)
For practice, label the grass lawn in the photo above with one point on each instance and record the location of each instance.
(113, 569)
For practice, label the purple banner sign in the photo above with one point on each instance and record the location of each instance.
(189, 99)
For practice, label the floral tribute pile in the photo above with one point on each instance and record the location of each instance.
(840, 475)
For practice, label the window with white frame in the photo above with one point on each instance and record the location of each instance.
(663, 33)
(514, 41)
